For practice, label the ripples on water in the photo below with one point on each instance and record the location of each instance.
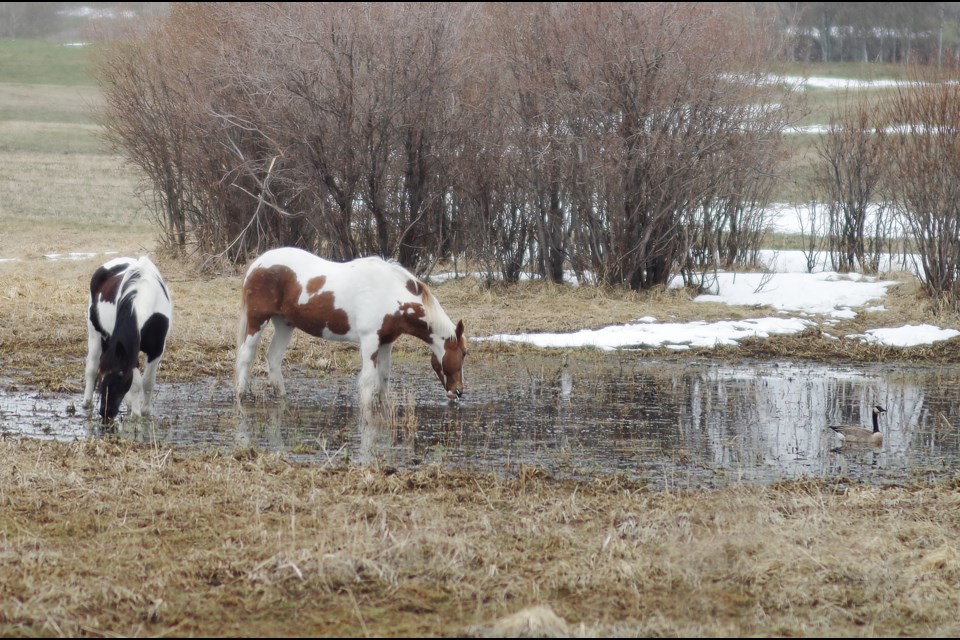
(672, 424)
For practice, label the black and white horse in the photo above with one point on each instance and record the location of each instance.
(129, 311)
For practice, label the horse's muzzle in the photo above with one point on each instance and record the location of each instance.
(455, 394)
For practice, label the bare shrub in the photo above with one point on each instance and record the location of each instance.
(682, 136)
(811, 224)
(315, 125)
(850, 177)
(492, 191)
(622, 141)
(924, 146)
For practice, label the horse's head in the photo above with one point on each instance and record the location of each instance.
(115, 377)
(450, 370)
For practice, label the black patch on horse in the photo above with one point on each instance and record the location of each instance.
(99, 290)
(119, 357)
(153, 335)
(163, 287)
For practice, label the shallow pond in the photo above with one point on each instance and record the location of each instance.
(672, 424)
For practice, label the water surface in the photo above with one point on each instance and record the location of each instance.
(672, 424)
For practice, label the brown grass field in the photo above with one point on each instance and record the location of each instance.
(104, 537)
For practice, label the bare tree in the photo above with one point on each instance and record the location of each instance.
(891, 32)
(318, 125)
(811, 223)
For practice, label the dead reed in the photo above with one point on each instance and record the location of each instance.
(107, 537)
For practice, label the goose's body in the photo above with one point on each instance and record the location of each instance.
(853, 434)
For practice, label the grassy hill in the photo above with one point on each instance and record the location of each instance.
(37, 62)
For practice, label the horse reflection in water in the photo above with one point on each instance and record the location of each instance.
(368, 301)
(379, 439)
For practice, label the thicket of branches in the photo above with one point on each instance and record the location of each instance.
(850, 175)
(922, 144)
(627, 142)
(889, 179)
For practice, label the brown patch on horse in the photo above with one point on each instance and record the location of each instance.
(450, 370)
(408, 319)
(108, 286)
(275, 292)
(415, 287)
(316, 284)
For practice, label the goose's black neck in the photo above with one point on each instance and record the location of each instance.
(876, 422)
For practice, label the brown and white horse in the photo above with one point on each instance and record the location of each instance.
(129, 311)
(369, 301)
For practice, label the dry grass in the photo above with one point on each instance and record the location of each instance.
(43, 335)
(49, 198)
(106, 537)
(110, 538)
(49, 102)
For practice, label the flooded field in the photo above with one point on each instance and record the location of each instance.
(671, 424)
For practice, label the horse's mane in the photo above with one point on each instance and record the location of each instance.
(100, 276)
(123, 347)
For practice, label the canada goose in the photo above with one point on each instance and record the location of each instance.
(850, 433)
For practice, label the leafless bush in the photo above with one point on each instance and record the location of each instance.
(622, 141)
(925, 151)
(682, 136)
(850, 178)
(317, 125)
(811, 224)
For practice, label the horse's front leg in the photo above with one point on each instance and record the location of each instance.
(246, 350)
(94, 348)
(149, 382)
(134, 398)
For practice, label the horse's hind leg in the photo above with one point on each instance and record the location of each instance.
(383, 367)
(369, 382)
(245, 353)
(282, 332)
(94, 348)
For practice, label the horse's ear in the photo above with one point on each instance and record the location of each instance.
(459, 329)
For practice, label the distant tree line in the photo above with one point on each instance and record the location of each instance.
(627, 142)
(891, 32)
(59, 20)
